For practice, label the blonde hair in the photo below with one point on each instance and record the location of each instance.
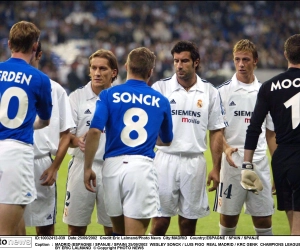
(140, 61)
(111, 58)
(245, 45)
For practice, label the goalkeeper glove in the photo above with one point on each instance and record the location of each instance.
(249, 179)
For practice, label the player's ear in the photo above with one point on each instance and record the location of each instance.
(255, 61)
(285, 55)
(9, 44)
(150, 73)
(114, 73)
(39, 55)
(197, 62)
(126, 68)
(35, 46)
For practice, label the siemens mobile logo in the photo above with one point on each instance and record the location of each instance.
(285, 84)
(244, 113)
(186, 112)
(184, 119)
(142, 99)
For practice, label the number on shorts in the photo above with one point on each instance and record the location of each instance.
(294, 103)
(227, 191)
(22, 109)
(137, 126)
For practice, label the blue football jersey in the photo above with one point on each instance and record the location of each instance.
(133, 115)
(24, 92)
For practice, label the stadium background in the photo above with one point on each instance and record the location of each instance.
(72, 30)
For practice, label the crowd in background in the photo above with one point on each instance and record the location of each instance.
(121, 26)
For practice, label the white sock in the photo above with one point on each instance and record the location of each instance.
(150, 234)
(263, 231)
(226, 230)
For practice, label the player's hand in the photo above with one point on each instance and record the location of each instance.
(81, 142)
(213, 176)
(249, 179)
(89, 180)
(49, 176)
(228, 152)
(273, 189)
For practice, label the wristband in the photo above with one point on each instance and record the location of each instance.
(247, 165)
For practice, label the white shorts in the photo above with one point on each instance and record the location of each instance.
(182, 185)
(130, 187)
(80, 202)
(16, 173)
(230, 196)
(42, 211)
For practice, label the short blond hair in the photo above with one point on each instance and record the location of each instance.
(140, 61)
(245, 45)
(22, 36)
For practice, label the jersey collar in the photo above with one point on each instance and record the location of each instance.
(198, 86)
(236, 86)
(19, 60)
(134, 82)
(89, 92)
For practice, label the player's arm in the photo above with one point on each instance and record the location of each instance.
(76, 142)
(92, 143)
(43, 104)
(160, 143)
(249, 179)
(228, 150)
(272, 145)
(216, 148)
(254, 129)
(39, 123)
(50, 173)
(271, 140)
(92, 140)
(165, 135)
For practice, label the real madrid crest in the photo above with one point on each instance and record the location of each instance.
(199, 104)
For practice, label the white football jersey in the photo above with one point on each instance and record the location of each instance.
(239, 100)
(193, 113)
(46, 140)
(83, 104)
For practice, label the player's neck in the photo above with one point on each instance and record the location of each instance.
(187, 84)
(245, 78)
(97, 90)
(20, 55)
(131, 76)
(290, 65)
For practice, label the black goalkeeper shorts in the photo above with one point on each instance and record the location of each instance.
(286, 174)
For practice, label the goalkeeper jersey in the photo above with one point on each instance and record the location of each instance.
(279, 95)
